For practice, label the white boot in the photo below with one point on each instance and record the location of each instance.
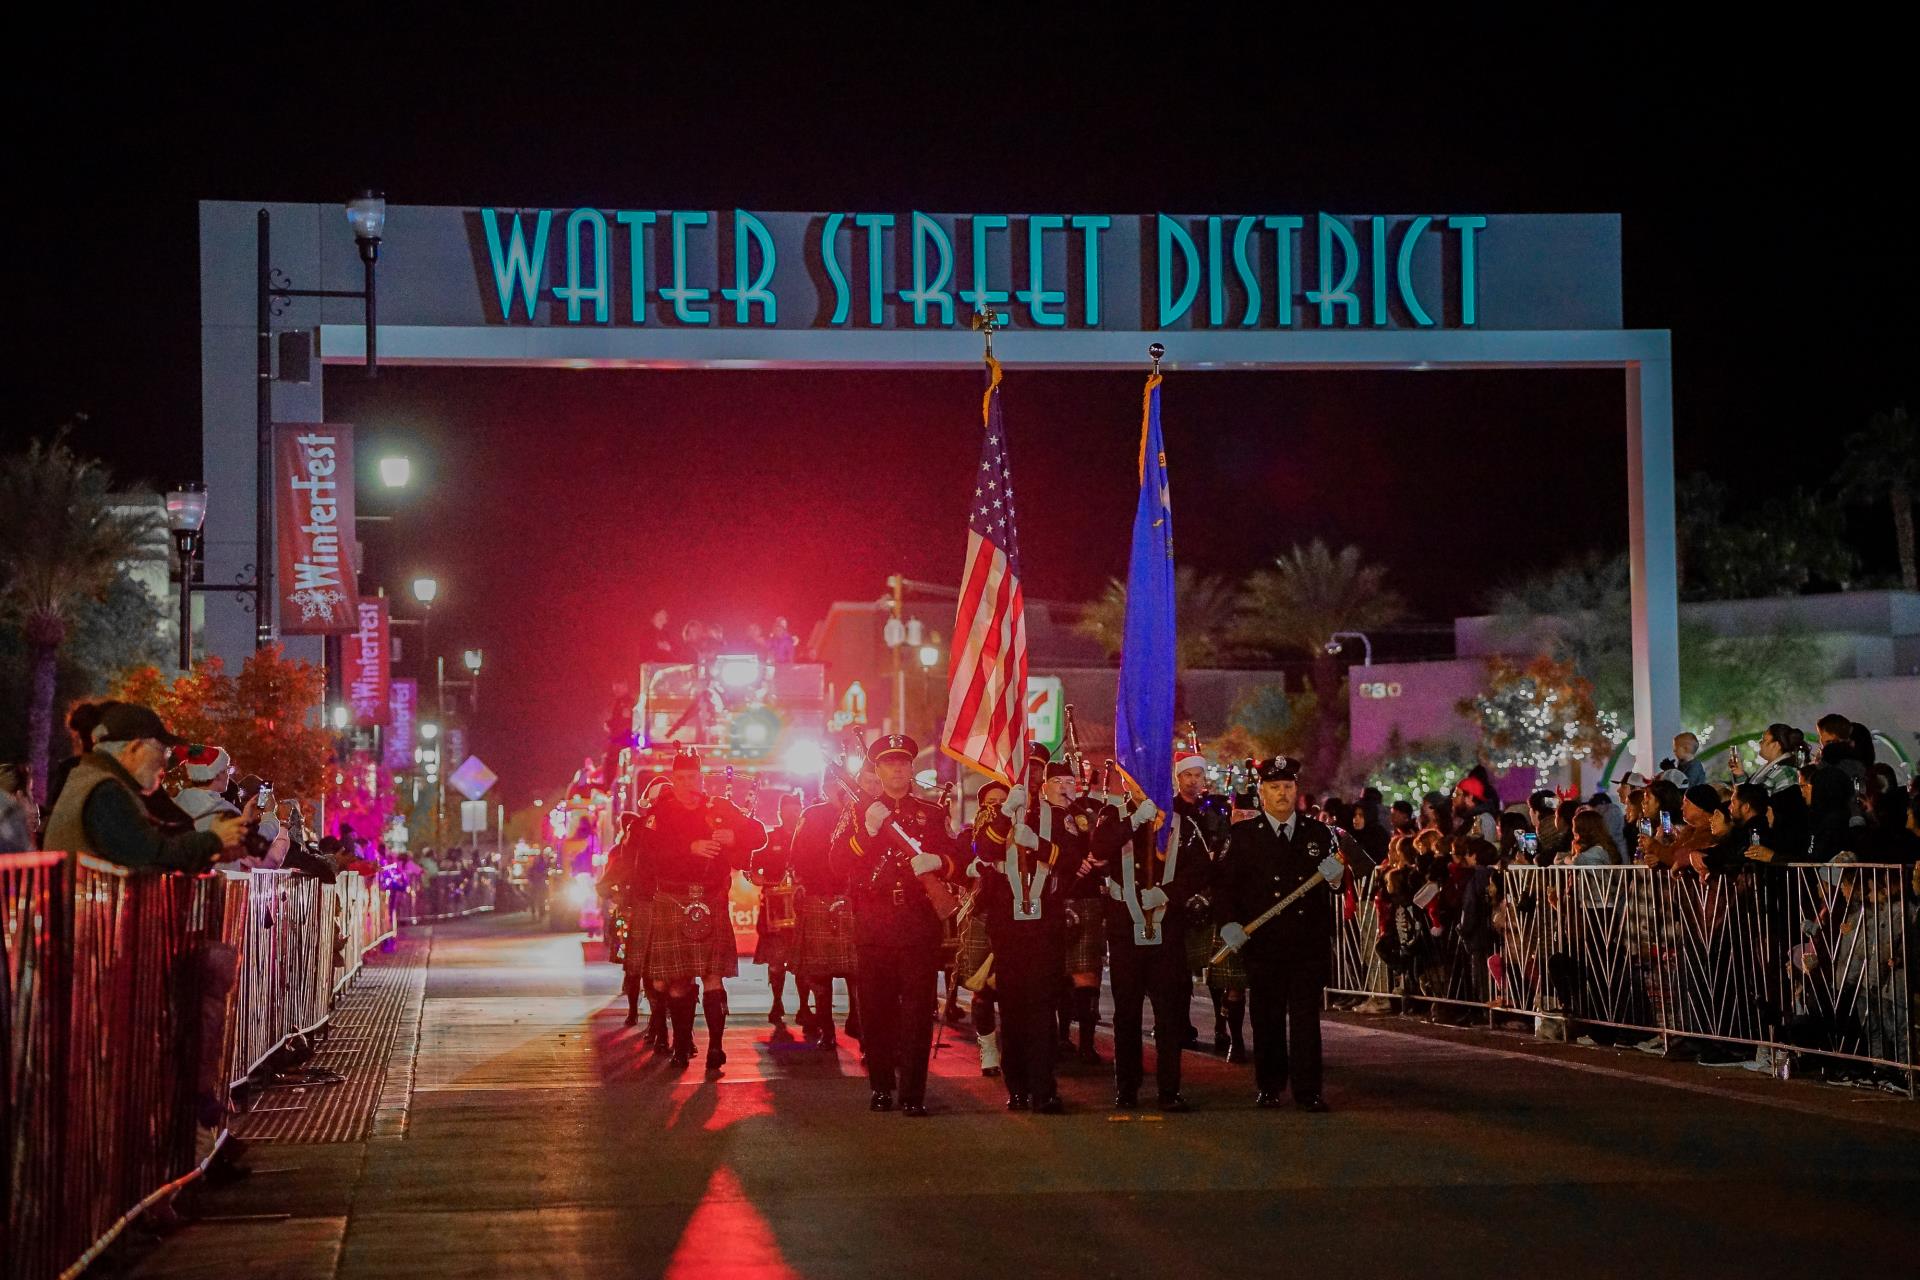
(990, 1053)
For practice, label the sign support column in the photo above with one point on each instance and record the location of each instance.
(1653, 541)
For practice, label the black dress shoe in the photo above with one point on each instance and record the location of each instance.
(680, 1059)
(1315, 1104)
(716, 1058)
(633, 1020)
(828, 1040)
(1050, 1106)
(881, 1101)
(1018, 1102)
(1126, 1100)
(993, 1072)
(917, 1110)
(1266, 1100)
(1175, 1103)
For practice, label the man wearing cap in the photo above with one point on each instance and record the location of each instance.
(1268, 857)
(101, 812)
(896, 932)
(1197, 835)
(692, 844)
(1022, 907)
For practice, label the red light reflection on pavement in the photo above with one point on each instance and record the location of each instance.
(727, 1237)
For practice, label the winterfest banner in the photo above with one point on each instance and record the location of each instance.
(403, 701)
(367, 668)
(313, 525)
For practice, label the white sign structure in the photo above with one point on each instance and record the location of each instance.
(473, 816)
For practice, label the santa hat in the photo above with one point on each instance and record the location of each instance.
(1185, 760)
(204, 764)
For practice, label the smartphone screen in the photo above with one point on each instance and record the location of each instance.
(1666, 823)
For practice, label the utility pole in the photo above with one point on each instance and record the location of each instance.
(895, 634)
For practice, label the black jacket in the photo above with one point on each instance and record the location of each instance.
(890, 908)
(1260, 867)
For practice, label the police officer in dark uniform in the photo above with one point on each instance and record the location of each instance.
(1267, 857)
(897, 932)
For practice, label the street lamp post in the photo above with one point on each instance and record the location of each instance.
(472, 659)
(186, 513)
(367, 216)
(1366, 645)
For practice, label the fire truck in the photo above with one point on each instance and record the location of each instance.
(761, 728)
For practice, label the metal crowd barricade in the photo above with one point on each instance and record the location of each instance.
(1800, 959)
(448, 896)
(114, 985)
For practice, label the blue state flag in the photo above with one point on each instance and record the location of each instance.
(1149, 664)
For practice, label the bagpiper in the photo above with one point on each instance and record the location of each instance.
(693, 843)
(825, 917)
(1022, 902)
(1071, 822)
(1268, 857)
(1147, 889)
(775, 943)
(885, 847)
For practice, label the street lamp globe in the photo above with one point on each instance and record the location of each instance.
(426, 589)
(429, 730)
(367, 215)
(396, 472)
(472, 659)
(187, 507)
(929, 656)
(340, 717)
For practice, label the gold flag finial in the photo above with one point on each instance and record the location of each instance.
(986, 320)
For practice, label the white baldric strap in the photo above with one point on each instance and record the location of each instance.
(1026, 899)
(1146, 923)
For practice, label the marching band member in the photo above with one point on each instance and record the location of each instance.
(1267, 857)
(897, 931)
(1146, 922)
(1022, 899)
(825, 917)
(976, 945)
(773, 946)
(694, 843)
(1199, 832)
(1072, 825)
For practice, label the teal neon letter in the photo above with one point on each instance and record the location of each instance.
(515, 270)
(636, 225)
(1469, 267)
(876, 225)
(1244, 269)
(680, 294)
(1329, 294)
(1216, 284)
(1172, 233)
(1284, 230)
(1379, 271)
(1093, 224)
(743, 295)
(573, 293)
(926, 229)
(830, 254)
(980, 296)
(1404, 271)
(1036, 295)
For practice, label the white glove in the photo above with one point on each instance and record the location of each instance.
(1015, 804)
(1026, 837)
(1233, 936)
(925, 862)
(1154, 897)
(876, 816)
(1146, 813)
(1115, 892)
(1333, 870)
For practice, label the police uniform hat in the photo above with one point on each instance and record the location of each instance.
(892, 744)
(1279, 769)
(686, 758)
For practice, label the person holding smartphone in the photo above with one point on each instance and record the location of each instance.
(1661, 815)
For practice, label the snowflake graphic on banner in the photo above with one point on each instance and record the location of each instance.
(316, 604)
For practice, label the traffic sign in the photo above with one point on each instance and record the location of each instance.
(472, 779)
(1046, 716)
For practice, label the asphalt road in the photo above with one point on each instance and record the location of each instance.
(537, 1139)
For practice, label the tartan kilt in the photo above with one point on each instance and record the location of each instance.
(1087, 941)
(823, 953)
(774, 947)
(1230, 974)
(975, 947)
(671, 957)
(632, 929)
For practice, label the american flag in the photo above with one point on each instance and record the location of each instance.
(987, 680)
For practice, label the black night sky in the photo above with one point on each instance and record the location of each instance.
(559, 507)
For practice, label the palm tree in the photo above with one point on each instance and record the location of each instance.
(1883, 465)
(62, 540)
(1204, 615)
(1298, 604)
